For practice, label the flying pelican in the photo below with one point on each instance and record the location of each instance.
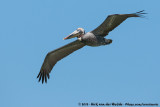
(93, 38)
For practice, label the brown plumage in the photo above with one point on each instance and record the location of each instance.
(112, 21)
(54, 56)
(93, 38)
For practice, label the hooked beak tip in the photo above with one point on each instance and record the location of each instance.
(65, 38)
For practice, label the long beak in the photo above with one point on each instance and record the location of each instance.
(72, 35)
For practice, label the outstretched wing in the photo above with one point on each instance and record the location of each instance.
(112, 21)
(54, 56)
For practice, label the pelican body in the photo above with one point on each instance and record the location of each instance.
(89, 38)
(93, 38)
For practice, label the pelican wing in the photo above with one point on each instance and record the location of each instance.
(112, 21)
(54, 56)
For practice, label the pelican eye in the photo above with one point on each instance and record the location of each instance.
(80, 31)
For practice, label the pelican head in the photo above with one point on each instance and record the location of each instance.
(77, 33)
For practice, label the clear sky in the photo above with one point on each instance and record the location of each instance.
(128, 70)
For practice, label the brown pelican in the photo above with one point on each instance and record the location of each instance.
(93, 38)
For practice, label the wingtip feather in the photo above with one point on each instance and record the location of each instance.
(43, 76)
(40, 77)
(140, 14)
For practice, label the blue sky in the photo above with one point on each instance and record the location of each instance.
(126, 71)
